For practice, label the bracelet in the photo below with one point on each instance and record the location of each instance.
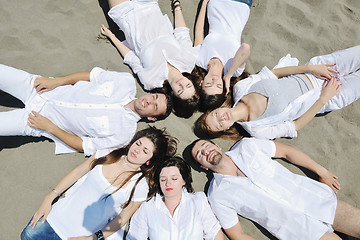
(54, 191)
(176, 5)
(100, 236)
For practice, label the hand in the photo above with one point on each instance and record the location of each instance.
(330, 89)
(43, 211)
(44, 84)
(323, 71)
(106, 31)
(227, 84)
(92, 237)
(38, 121)
(331, 180)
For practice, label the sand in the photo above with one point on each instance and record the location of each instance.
(55, 38)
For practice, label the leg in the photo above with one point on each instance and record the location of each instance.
(13, 122)
(18, 83)
(347, 219)
(349, 92)
(347, 61)
(41, 231)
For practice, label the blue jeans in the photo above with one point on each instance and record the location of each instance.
(248, 2)
(42, 231)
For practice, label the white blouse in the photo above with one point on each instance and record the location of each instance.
(84, 210)
(227, 19)
(93, 110)
(288, 205)
(192, 219)
(153, 42)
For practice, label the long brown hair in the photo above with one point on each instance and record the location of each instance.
(165, 146)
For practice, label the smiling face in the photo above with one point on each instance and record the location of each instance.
(171, 182)
(207, 154)
(141, 151)
(220, 119)
(151, 105)
(183, 88)
(212, 84)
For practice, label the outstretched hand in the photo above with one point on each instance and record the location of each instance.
(106, 31)
(38, 121)
(45, 84)
(43, 211)
(324, 71)
(331, 180)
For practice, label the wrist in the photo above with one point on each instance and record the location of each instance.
(99, 235)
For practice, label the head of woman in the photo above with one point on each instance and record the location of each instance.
(147, 149)
(185, 99)
(212, 88)
(171, 176)
(219, 123)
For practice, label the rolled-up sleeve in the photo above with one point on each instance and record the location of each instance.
(182, 35)
(139, 229)
(209, 222)
(227, 216)
(285, 129)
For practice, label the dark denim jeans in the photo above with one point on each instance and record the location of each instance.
(42, 231)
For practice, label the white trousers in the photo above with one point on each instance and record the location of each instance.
(348, 65)
(19, 84)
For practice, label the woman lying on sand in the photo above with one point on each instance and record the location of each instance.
(278, 103)
(157, 53)
(110, 191)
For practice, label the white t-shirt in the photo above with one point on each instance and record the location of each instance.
(288, 205)
(85, 210)
(93, 110)
(153, 42)
(193, 219)
(227, 19)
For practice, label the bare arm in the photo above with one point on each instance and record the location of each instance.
(239, 60)
(322, 71)
(219, 235)
(64, 184)
(38, 121)
(199, 25)
(299, 158)
(236, 233)
(329, 90)
(118, 44)
(116, 223)
(45, 84)
(178, 15)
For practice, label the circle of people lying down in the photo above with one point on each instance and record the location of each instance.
(141, 178)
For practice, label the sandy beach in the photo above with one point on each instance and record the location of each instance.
(55, 38)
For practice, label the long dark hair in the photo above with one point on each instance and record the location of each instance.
(184, 169)
(183, 108)
(165, 146)
(210, 102)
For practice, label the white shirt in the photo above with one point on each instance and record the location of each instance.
(288, 205)
(279, 125)
(153, 42)
(227, 19)
(92, 110)
(84, 210)
(193, 219)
